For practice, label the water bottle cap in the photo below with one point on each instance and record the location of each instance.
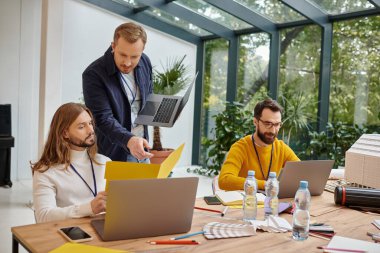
(272, 174)
(251, 173)
(304, 184)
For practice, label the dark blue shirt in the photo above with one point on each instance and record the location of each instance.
(105, 96)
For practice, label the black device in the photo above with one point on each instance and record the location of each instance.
(5, 120)
(357, 197)
(75, 234)
(212, 200)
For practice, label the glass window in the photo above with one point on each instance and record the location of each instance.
(342, 6)
(173, 20)
(299, 82)
(355, 76)
(214, 14)
(272, 9)
(253, 69)
(215, 84)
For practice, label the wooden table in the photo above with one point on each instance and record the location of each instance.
(346, 222)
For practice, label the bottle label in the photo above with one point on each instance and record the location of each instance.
(301, 218)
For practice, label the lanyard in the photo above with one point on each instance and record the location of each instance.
(258, 158)
(93, 176)
(129, 88)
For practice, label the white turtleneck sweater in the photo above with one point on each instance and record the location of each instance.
(60, 194)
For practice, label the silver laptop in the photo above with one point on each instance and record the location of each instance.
(163, 110)
(139, 208)
(316, 172)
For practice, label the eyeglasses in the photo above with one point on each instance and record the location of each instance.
(269, 125)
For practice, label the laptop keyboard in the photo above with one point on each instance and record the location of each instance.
(165, 110)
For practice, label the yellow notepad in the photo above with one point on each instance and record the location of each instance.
(70, 247)
(233, 198)
(129, 170)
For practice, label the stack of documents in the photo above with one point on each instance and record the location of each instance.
(217, 230)
(231, 198)
(273, 224)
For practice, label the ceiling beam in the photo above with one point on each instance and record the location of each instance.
(145, 19)
(190, 16)
(376, 3)
(245, 14)
(308, 10)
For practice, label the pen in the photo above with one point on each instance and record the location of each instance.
(342, 250)
(187, 242)
(210, 210)
(224, 211)
(375, 237)
(187, 235)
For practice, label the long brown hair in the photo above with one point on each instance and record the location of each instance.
(57, 149)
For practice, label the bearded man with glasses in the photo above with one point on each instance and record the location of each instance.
(260, 151)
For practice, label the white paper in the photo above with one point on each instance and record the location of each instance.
(340, 242)
(337, 174)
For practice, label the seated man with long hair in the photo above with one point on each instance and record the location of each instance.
(68, 179)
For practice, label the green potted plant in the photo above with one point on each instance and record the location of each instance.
(172, 79)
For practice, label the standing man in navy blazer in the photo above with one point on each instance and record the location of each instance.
(115, 89)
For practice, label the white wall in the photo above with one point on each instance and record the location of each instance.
(85, 33)
(88, 32)
(19, 75)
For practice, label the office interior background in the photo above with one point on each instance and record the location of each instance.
(318, 58)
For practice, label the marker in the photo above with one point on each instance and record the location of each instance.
(185, 242)
(187, 235)
(210, 210)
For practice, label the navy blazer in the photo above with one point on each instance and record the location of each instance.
(105, 96)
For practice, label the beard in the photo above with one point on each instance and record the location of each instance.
(267, 138)
(89, 141)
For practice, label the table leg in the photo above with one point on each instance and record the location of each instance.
(14, 244)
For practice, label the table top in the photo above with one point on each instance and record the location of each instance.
(44, 237)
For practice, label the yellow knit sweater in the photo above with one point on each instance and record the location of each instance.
(242, 157)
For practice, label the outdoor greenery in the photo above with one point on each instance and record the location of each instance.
(230, 125)
(169, 81)
(333, 143)
(354, 90)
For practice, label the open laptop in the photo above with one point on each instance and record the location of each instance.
(316, 172)
(139, 208)
(163, 110)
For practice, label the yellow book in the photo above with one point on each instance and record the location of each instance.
(233, 198)
(129, 170)
(70, 247)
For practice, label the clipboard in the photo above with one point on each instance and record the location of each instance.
(129, 170)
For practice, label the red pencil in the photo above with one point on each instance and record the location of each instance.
(340, 249)
(206, 209)
(187, 242)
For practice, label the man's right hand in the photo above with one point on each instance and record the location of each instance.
(98, 204)
(136, 146)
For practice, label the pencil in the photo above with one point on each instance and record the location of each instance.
(187, 235)
(206, 209)
(319, 236)
(342, 250)
(186, 242)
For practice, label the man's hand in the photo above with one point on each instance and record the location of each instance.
(136, 145)
(98, 204)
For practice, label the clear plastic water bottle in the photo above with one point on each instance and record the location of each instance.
(271, 198)
(301, 215)
(250, 201)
